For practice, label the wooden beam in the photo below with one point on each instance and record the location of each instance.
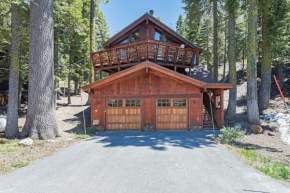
(150, 96)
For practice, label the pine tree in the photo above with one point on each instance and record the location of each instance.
(231, 7)
(252, 99)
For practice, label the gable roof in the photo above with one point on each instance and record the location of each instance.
(156, 22)
(156, 67)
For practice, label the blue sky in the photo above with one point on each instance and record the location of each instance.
(120, 13)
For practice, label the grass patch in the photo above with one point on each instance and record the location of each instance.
(20, 164)
(9, 146)
(81, 136)
(277, 170)
(251, 155)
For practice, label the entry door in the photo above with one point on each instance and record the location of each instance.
(123, 114)
(171, 114)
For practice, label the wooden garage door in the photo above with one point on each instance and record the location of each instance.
(171, 114)
(123, 114)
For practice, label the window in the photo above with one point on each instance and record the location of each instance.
(115, 103)
(136, 35)
(194, 60)
(179, 102)
(217, 100)
(124, 41)
(133, 103)
(158, 35)
(163, 102)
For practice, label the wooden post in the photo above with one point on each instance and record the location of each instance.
(222, 108)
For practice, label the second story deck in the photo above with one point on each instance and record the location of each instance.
(126, 55)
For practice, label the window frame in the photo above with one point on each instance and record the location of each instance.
(123, 39)
(184, 101)
(135, 102)
(217, 101)
(163, 101)
(118, 102)
(161, 33)
(133, 31)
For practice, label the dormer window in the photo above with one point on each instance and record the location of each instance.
(135, 35)
(158, 35)
(123, 41)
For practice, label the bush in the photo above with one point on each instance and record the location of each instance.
(231, 134)
(91, 130)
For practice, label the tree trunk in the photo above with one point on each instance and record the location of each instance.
(280, 74)
(92, 42)
(252, 101)
(63, 91)
(231, 110)
(40, 121)
(209, 67)
(12, 109)
(19, 95)
(225, 55)
(265, 90)
(56, 81)
(243, 68)
(215, 39)
(68, 89)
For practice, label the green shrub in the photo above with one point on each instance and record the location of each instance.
(231, 134)
(91, 130)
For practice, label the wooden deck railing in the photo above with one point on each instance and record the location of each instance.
(135, 52)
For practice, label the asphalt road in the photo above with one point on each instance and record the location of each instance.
(141, 162)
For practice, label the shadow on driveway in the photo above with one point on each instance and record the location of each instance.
(156, 140)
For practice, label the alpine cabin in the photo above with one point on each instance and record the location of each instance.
(155, 82)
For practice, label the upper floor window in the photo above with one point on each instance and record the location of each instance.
(136, 35)
(123, 41)
(158, 35)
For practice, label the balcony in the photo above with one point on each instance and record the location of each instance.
(166, 54)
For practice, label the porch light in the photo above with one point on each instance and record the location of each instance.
(186, 70)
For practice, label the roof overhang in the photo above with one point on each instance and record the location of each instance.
(149, 17)
(158, 68)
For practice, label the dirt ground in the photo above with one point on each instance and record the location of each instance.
(70, 122)
(271, 146)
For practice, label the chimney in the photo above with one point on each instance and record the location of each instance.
(151, 12)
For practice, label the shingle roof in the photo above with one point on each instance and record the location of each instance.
(202, 74)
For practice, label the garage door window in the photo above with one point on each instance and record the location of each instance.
(115, 103)
(179, 102)
(163, 102)
(133, 103)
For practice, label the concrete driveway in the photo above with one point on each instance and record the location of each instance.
(139, 162)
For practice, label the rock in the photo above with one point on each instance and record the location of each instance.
(50, 141)
(256, 129)
(272, 126)
(271, 133)
(68, 139)
(237, 125)
(3, 140)
(26, 142)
